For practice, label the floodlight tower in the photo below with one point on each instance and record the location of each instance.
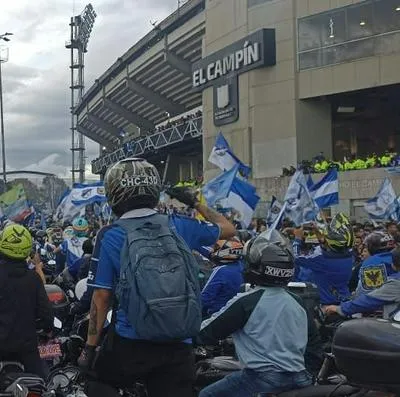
(81, 28)
(3, 58)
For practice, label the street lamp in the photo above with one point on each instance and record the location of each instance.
(3, 37)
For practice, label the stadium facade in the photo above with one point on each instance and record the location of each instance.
(282, 79)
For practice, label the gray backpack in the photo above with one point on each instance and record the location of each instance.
(158, 287)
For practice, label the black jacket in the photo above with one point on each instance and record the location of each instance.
(24, 307)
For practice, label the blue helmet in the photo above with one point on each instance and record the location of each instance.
(80, 226)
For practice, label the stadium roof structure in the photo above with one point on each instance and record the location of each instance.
(150, 83)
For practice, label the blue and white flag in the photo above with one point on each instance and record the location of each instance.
(325, 192)
(82, 194)
(219, 187)
(67, 210)
(384, 205)
(274, 210)
(222, 156)
(243, 199)
(300, 207)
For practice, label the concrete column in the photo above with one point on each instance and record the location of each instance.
(313, 128)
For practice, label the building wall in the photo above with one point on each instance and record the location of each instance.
(284, 114)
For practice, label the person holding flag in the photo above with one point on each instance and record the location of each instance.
(330, 265)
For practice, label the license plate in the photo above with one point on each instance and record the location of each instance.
(50, 350)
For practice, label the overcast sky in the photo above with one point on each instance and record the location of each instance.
(36, 78)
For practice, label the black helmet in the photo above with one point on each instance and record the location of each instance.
(268, 260)
(130, 184)
(378, 242)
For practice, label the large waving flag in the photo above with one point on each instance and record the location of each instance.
(243, 199)
(300, 207)
(325, 192)
(384, 205)
(14, 204)
(82, 194)
(223, 157)
(219, 187)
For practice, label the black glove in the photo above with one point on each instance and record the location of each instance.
(86, 359)
(185, 195)
(75, 308)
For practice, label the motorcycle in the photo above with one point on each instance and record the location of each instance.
(14, 382)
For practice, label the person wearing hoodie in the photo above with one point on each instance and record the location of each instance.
(24, 306)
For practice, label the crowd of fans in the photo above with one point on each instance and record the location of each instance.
(320, 163)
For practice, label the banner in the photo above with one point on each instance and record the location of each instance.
(14, 204)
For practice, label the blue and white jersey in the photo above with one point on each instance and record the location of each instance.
(386, 298)
(374, 272)
(106, 260)
(72, 249)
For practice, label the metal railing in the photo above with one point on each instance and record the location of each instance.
(189, 129)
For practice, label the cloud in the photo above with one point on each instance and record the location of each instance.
(36, 78)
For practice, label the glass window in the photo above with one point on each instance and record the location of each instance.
(386, 16)
(359, 21)
(310, 59)
(309, 33)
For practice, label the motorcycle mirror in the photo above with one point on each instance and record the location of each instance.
(57, 323)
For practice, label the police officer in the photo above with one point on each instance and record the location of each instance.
(330, 265)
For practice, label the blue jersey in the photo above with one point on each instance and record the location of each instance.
(374, 272)
(330, 271)
(106, 262)
(72, 249)
(386, 298)
(223, 284)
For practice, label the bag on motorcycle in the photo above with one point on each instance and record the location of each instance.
(158, 287)
(367, 351)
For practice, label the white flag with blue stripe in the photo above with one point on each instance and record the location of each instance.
(300, 207)
(274, 211)
(83, 194)
(223, 157)
(219, 187)
(325, 192)
(384, 205)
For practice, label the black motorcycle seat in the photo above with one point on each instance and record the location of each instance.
(321, 391)
(225, 363)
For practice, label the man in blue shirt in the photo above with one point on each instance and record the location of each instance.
(374, 271)
(133, 190)
(386, 297)
(225, 281)
(330, 265)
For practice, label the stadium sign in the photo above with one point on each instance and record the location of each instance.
(254, 51)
